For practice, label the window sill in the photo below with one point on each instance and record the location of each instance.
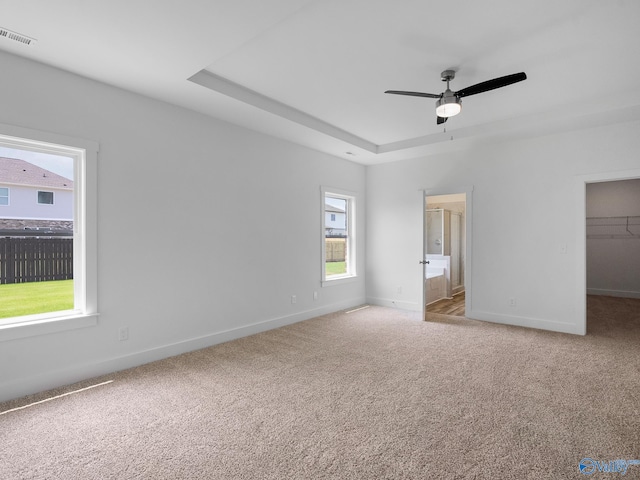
(45, 326)
(339, 280)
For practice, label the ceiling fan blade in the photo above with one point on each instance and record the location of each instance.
(492, 84)
(441, 120)
(413, 94)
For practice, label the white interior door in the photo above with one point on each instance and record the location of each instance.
(423, 260)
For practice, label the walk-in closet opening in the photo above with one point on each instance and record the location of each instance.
(613, 240)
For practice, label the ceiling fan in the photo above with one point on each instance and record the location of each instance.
(449, 103)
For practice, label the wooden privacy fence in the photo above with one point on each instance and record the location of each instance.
(35, 259)
(335, 249)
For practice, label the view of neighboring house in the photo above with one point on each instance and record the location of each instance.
(335, 220)
(33, 197)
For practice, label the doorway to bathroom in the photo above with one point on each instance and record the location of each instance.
(445, 247)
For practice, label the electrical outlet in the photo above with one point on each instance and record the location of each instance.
(399, 290)
(123, 334)
(293, 299)
(315, 296)
(512, 302)
(563, 248)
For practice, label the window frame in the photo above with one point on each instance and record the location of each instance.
(85, 155)
(7, 196)
(351, 257)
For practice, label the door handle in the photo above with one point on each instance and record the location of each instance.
(424, 262)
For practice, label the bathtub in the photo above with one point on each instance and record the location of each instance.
(434, 285)
(433, 272)
(437, 278)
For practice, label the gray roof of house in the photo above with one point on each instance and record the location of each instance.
(334, 209)
(19, 172)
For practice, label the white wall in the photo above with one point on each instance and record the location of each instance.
(526, 198)
(187, 254)
(613, 264)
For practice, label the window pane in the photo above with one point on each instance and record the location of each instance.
(45, 197)
(336, 236)
(36, 256)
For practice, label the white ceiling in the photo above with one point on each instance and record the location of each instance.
(314, 71)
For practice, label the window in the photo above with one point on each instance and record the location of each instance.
(45, 198)
(66, 167)
(4, 196)
(338, 235)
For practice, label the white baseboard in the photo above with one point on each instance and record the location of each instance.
(613, 293)
(57, 378)
(386, 302)
(528, 322)
(518, 321)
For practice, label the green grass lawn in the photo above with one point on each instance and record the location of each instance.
(19, 299)
(335, 268)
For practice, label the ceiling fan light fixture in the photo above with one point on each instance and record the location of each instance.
(448, 106)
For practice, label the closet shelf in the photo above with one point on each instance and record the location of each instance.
(613, 227)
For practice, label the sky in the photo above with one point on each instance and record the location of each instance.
(54, 163)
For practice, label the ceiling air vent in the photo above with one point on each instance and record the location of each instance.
(16, 37)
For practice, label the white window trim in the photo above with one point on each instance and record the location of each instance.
(85, 155)
(351, 198)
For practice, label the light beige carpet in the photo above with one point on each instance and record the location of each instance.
(375, 394)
